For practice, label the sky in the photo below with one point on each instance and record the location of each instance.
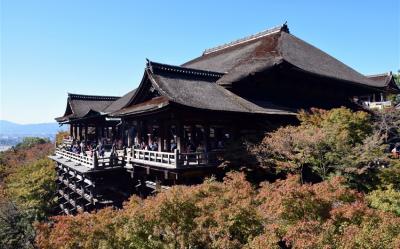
(50, 48)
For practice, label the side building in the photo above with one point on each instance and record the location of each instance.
(174, 127)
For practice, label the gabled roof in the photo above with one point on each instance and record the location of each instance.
(386, 80)
(120, 103)
(80, 106)
(272, 47)
(192, 88)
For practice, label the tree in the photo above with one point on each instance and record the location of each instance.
(29, 142)
(385, 199)
(232, 214)
(16, 230)
(60, 136)
(33, 188)
(322, 142)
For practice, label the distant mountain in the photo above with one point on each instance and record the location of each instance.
(8, 128)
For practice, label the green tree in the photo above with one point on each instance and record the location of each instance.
(324, 141)
(385, 199)
(32, 187)
(29, 142)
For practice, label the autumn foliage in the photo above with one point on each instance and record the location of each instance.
(233, 214)
(348, 198)
(27, 191)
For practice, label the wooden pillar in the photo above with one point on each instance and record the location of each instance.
(167, 134)
(206, 136)
(161, 136)
(122, 133)
(71, 130)
(96, 133)
(117, 136)
(139, 132)
(86, 133)
(179, 135)
(192, 133)
(130, 138)
(147, 131)
(74, 132)
(102, 131)
(113, 130)
(80, 132)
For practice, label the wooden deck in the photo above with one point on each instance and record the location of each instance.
(171, 160)
(85, 164)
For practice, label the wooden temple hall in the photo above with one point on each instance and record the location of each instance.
(175, 126)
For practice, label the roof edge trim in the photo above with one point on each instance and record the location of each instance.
(91, 97)
(283, 27)
(182, 70)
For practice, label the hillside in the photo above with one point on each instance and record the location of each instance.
(8, 128)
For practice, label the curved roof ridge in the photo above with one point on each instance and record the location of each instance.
(379, 74)
(182, 70)
(91, 97)
(258, 35)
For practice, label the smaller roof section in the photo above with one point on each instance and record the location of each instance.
(192, 88)
(386, 80)
(80, 106)
(121, 102)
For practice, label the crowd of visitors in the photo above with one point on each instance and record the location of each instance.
(87, 148)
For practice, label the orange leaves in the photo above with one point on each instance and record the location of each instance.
(80, 231)
(14, 158)
(232, 214)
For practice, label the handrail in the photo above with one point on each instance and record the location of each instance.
(94, 162)
(154, 158)
(174, 159)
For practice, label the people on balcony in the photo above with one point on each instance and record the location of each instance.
(154, 146)
(100, 149)
(174, 146)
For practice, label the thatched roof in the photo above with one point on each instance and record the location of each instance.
(120, 103)
(262, 51)
(192, 88)
(200, 83)
(385, 80)
(80, 106)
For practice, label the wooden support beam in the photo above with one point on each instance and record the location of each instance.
(86, 133)
(161, 136)
(139, 133)
(167, 133)
(206, 136)
(80, 132)
(74, 132)
(102, 131)
(113, 131)
(179, 135)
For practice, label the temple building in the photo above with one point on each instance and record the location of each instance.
(381, 100)
(174, 128)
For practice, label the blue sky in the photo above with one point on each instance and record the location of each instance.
(49, 48)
